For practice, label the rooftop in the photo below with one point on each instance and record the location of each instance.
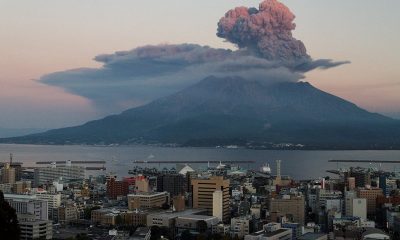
(170, 214)
(311, 236)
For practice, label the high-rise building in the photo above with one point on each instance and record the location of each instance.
(356, 207)
(117, 188)
(53, 201)
(371, 194)
(8, 174)
(203, 191)
(142, 184)
(218, 206)
(291, 207)
(351, 183)
(54, 172)
(178, 203)
(173, 183)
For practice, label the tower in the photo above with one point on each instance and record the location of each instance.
(278, 168)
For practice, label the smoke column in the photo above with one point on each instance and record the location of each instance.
(265, 32)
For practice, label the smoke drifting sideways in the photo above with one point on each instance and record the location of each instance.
(267, 53)
(266, 32)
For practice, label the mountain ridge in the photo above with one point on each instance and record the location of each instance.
(232, 110)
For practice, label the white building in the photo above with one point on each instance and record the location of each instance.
(356, 207)
(54, 172)
(218, 204)
(32, 216)
(53, 200)
(28, 206)
(240, 226)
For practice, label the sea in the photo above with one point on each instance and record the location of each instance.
(299, 164)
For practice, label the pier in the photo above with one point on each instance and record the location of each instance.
(364, 161)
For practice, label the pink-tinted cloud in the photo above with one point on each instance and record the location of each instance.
(266, 31)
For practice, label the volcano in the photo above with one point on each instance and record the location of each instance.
(233, 111)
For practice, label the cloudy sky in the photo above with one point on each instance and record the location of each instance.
(43, 37)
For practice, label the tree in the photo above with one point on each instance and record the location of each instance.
(9, 228)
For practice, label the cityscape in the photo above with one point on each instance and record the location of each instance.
(199, 120)
(59, 200)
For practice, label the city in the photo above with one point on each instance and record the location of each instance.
(219, 201)
(199, 120)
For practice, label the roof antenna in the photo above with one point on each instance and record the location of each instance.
(11, 158)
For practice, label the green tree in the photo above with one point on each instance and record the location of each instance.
(9, 228)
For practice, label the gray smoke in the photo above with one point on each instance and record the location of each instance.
(267, 53)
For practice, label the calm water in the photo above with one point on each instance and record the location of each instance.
(298, 164)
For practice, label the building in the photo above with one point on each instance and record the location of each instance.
(28, 206)
(217, 206)
(117, 188)
(324, 195)
(67, 213)
(142, 184)
(314, 236)
(291, 207)
(362, 177)
(387, 184)
(351, 183)
(203, 190)
(371, 194)
(147, 200)
(374, 233)
(8, 174)
(141, 233)
(53, 201)
(191, 222)
(175, 184)
(32, 216)
(40, 229)
(168, 219)
(241, 226)
(356, 207)
(271, 231)
(21, 187)
(47, 175)
(296, 229)
(108, 216)
(178, 203)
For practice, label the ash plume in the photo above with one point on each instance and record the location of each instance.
(266, 31)
(267, 53)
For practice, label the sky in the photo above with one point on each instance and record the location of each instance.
(46, 36)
